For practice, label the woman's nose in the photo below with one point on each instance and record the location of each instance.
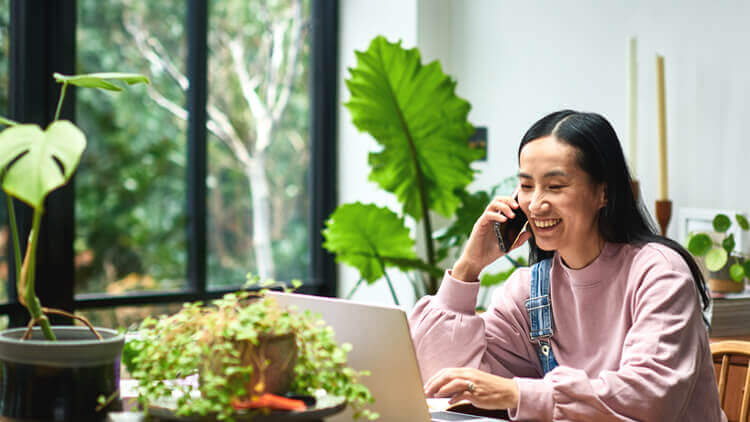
(538, 204)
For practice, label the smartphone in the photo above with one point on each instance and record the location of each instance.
(508, 231)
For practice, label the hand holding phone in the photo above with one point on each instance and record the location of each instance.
(509, 231)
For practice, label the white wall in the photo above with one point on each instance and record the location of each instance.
(360, 21)
(516, 61)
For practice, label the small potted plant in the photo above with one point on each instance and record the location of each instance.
(727, 266)
(52, 373)
(239, 357)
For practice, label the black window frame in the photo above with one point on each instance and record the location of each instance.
(43, 41)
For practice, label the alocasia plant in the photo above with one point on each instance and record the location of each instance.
(33, 163)
(413, 113)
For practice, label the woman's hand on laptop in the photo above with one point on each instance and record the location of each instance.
(482, 389)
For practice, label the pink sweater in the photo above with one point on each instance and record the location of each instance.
(630, 341)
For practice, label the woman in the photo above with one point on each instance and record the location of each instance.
(628, 341)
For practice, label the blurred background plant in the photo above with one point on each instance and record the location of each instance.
(718, 249)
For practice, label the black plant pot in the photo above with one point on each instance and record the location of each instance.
(42, 380)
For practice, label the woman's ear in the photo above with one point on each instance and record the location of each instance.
(602, 195)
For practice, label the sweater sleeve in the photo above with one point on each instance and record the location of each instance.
(447, 332)
(661, 355)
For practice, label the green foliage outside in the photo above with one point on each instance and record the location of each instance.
(131, 188)
(412, 111)
(717, 254)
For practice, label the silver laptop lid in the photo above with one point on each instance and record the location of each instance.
(381, 344)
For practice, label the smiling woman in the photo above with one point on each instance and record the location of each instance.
(606, 305)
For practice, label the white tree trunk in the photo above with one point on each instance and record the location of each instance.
(261, 210)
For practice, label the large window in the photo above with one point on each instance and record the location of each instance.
(5, 237)
(221, 167)
(258, 148)
(130, 187)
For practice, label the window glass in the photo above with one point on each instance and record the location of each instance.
(5, 238)
(130, 187)
(258, 145)
(127, 317)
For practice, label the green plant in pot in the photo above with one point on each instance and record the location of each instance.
(219, 360)
(51, 373)
(727, 266)
(421, 125)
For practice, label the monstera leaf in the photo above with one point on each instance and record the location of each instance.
(101, 80)
(413, 113)
(42, 161)
(368, 238)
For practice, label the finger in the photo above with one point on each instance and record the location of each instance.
(522, 238)
(438, 380)
(455, 386)
(503, 206)
(460, 396)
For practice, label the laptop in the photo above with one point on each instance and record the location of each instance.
(382, 345)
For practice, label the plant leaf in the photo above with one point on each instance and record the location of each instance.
(746, 266)
(361, 234)
(102, 80)
(721, 223)
(699, 244)
(715, 259)
(728, 243)
(36, 173)
(7, 122)
(413, 113)
(736, 272)
(742, 221)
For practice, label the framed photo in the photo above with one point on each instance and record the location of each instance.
(691, 220)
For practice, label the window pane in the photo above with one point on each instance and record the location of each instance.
(125, 316)
(5, 238)
(258, 147)
(130, 187)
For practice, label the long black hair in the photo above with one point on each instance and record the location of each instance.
(622, 219)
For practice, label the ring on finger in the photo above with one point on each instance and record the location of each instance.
(470, 387)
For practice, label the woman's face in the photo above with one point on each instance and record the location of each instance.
(561, 201)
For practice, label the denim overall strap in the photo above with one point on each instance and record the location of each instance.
(539, 307)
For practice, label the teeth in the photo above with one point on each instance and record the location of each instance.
(546, 223)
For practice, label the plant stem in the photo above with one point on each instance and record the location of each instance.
(60, 101)
(27, 279)
(388, 279)
(14, 234)
(354, 289)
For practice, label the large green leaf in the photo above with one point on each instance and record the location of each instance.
(37, 172)
(716, 258)
(736, 272)
(721, 223)
(101, 80)
(365, 235)
(699, 244)
(413, 113)
(742, 221)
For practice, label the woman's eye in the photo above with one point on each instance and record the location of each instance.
(526, 187)
(556, 187)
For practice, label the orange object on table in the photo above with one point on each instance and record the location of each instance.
(269, 401)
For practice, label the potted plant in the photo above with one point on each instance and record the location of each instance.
(51, 373)
(413, 113)
(236, 356)
(727, 266)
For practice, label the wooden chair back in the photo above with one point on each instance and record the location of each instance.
(732, 366)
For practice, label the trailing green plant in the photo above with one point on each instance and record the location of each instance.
(177, 347)
(35, 162)
(421, 125)
(721, 252)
